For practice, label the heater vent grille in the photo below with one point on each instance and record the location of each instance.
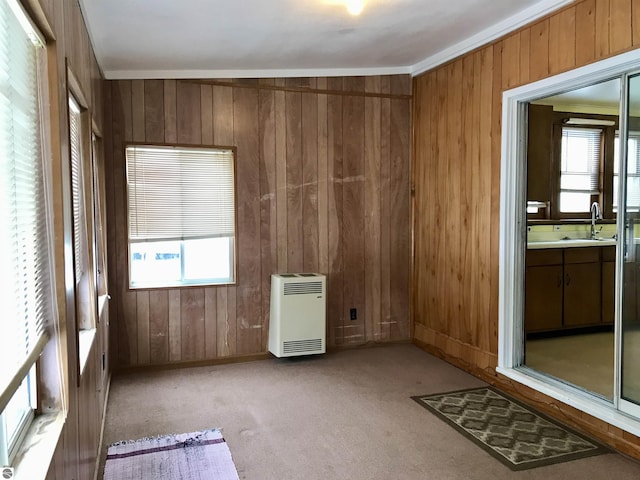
(302, 346)
(302, 288)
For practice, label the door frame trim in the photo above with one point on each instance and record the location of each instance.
(513, 235)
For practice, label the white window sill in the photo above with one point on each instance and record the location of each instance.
(39, 446)
(102, 302)
(85, 341)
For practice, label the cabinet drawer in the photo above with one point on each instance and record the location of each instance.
(582, 255)
(552, 256)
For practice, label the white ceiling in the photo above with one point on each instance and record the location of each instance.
(263, 38)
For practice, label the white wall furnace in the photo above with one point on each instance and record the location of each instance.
(298, 314)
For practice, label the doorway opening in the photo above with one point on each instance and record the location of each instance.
(565, 254)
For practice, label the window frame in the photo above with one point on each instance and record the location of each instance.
(604, 197)
(85, 328)
(233, 250)
(9, 450)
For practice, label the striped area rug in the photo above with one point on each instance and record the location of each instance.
(186, 456)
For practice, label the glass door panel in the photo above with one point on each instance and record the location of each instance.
(630, 318)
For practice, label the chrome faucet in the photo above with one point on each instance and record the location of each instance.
(595, 215)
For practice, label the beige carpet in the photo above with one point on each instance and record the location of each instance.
(345, 415)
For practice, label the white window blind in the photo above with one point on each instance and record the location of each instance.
(77, 189)
(579, 168)
(633, 171)
(25, 276)
(179, 193)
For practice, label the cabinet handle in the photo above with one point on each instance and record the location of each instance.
(559, 280)
(567, 281)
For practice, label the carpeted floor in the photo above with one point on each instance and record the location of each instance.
(344, 415)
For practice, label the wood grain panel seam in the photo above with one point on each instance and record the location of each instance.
(292, 89)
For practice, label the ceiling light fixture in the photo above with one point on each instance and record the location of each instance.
(354, 7)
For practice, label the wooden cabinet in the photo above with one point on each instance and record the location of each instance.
(540, 134)
(569, 288)
(582, 287)
(608, 284)
(543, 290)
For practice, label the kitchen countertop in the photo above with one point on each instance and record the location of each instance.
(571, 243)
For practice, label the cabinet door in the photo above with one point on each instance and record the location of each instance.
(539, 152)
(608, 291)
(543, 299)
(582, 290)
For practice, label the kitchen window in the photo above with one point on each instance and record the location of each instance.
(633, 171)
(181, 216)
(579, 169)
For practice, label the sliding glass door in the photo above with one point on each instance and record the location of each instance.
(629, 323)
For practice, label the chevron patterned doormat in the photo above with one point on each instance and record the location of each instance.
(512, 432)
(188, 456)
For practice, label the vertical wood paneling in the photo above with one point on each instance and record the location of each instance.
(456, 173)
(353, 212)
(385, 211)
(323, 181)
(159, 326)
(268, 204)
(400, 248)
(210, 323)
(249, 299)
(635, 23)
(188, 113)
(309, 182)
(142, 317)
(293, 114)
(335, 281)
(77, 450)
(154, 111)
(372, 252)
(170, 113)
(585, 32)
(511, 65)
(620, 36)
(175, 326)
(602, 28)
(322, 185)
(562, 41)
(523, 56)
(223, 128)
(539, 51)
(192, 319)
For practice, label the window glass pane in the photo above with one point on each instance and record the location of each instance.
(579, 169)
(633, 171)
(181, 213)
(572, 202)
(155, 263)
(208, 259)
(569, 181)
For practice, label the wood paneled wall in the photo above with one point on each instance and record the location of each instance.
(456, 176)
(68, 45)
(323, 174)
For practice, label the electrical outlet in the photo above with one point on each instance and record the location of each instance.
(353, 313)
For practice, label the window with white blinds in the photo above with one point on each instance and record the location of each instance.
(77, 189)
(181, 215)
(26, 273)
(579, 168)
(633, 172)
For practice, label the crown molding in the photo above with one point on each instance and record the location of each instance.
(490, 34)
(266, 73)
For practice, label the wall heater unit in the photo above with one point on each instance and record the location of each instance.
(298, 314)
